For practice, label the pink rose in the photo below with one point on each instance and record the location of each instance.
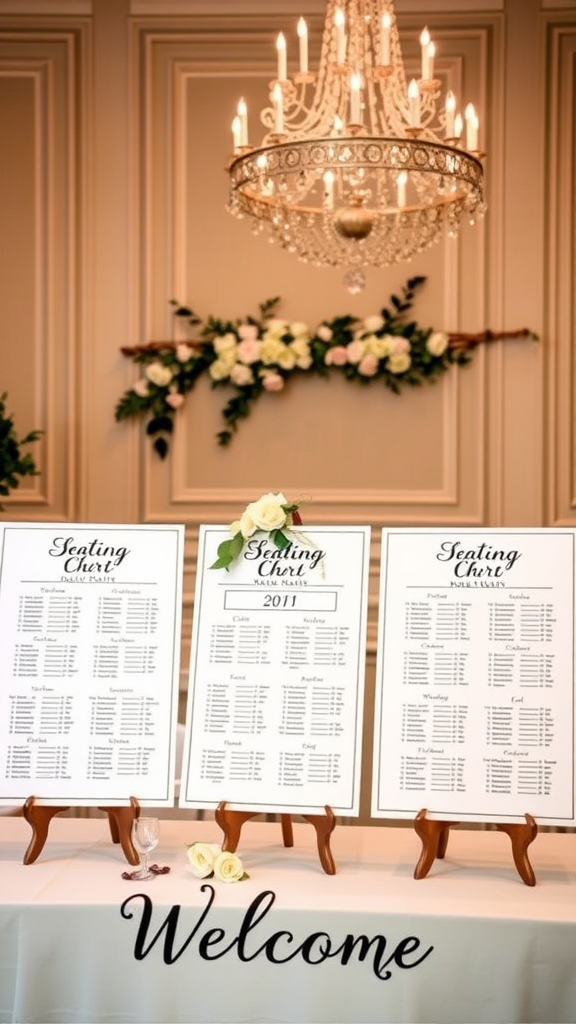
(337, 356)
(248, 350)
(272, 382)
(248, 332)
(174, 399)
(368, 365)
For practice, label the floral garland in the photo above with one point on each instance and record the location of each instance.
(257, 355)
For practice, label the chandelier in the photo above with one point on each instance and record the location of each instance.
(357, 167)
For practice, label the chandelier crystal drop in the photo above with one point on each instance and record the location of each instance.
(357, 168)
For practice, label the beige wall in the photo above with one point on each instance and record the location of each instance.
(115, 128)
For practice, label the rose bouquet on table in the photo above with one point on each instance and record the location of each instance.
(208, 860)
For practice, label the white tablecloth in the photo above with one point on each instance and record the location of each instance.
(469, 943)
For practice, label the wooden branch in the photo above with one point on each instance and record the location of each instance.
(460, 340)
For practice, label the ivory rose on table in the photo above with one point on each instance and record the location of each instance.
(208, 860)
(258, 356)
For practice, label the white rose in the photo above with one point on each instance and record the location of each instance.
(300, 346)
(376, 346)
(270, 350)
(224, 342)
(276, 328)
(267, 513)
(437, 343)
(245, 525)
(228, 867)
(219, 369)
(373, 324)
(299, 330)
(286, 358)
(202, 857)
(159, 374)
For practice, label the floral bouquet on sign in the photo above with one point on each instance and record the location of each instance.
(271, 513)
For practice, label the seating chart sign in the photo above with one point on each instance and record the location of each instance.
(90, 620)
(275, 698)
(475, 676)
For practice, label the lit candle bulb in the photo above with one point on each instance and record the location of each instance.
(329, 189)
(340, 36)
(303, 43)
(401, 182)
(243, 116)
(458, 126)
(450, 107)
(385, 39)
(424, 44)
(281, 48)
(236, 133)
(414, 104)
(471, 127)
(278, 109)
(431, 54)
(355, 85)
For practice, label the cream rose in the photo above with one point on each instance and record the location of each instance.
(159, 374)
(267, 513)
(299, 330)
(399, 363)
(241, 375)
(202, 857)
(224, 342)
(324, 333)
(437, 343)
(228, 867)
(183, 352)
(287, 358)
(271, 350)
(219, 369)
(245, 525)
(373, 324)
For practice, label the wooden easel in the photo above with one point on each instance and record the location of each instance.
(231, 824)
(120, 820)
(434, 836)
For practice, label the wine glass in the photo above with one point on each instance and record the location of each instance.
(145, 835)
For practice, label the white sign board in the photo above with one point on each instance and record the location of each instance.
(474, 712)
(90, 619)
(275, 698)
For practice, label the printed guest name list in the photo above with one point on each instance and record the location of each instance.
(277, 672)
(89, 662)
(475, 676)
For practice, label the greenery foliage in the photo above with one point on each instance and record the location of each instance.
(13, 463)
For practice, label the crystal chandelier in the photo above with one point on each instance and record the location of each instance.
(357, 168)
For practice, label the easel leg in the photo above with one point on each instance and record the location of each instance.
(434, 836)
(324, 825)
(521, 836)
(120, 820)
(231, 824)
(39, 818)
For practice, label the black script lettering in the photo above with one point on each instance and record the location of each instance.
(170, 924)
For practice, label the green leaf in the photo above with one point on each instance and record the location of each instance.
(279, 539)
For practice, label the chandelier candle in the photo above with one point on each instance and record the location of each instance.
(336, 142)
